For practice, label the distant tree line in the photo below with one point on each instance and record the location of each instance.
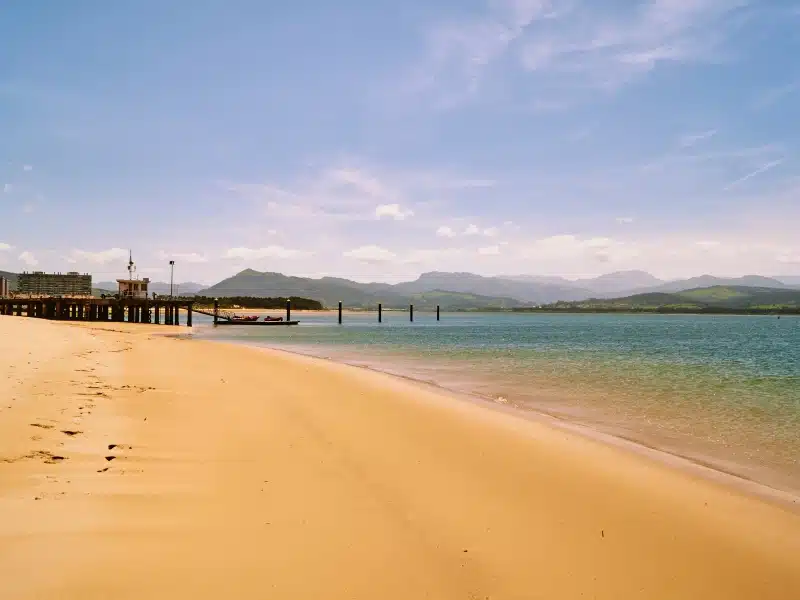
(255, 302)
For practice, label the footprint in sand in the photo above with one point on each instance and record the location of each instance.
(120, 447)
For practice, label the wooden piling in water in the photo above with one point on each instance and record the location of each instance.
(380, 312)
(437, 312)
(288, 310)
(411, 312)
(340, 313)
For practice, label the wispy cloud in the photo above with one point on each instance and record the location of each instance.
(356, 193)
(7, 187)
(188, 257)
(27, 167)
(774, 95)
(461, 50)
(762, 169)
(625, 220)
(101, 257)
(690, 139)
(748, 155)
(607, 50)
(572, 45)
(273, 251)
(370, 254)
(4, 246)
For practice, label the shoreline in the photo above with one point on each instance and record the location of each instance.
(688, 463)
(139, 464)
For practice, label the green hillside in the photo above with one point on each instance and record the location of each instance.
(709, 299)
(460, 301)
(330, 291)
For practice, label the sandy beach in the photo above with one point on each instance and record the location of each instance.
(136, 465)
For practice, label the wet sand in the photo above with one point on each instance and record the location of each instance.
(134, 465)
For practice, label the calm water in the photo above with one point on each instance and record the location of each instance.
(722, 390)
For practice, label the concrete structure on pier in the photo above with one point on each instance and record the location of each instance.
(54, 284)
(5, 292)
(133, 288)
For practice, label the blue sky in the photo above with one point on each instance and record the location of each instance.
(375, 140)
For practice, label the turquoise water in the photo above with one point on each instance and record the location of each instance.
(722, 390)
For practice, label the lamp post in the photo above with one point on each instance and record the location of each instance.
(171, 273)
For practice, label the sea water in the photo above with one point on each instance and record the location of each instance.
(721, 390)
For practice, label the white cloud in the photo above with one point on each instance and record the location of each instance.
(28, 258)
(707, 244)
(5, 246)
(393, 211)
(7, 187)
(472, 230)
(28, 208)
(27, 167)
(370, 254)
(690, 139)
(99, 258)
(625, 220)
(491, 231)
(445, 231)
(489, 251)
(272, 251)
(188, 257)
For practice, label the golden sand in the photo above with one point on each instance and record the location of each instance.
(138, 466)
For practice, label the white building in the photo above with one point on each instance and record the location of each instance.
(133, 288)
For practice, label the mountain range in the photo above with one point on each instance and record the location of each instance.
(456, 290)
(504, 290)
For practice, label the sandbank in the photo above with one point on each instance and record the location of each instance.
(137, 465)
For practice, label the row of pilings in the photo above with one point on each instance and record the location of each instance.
(125, 310)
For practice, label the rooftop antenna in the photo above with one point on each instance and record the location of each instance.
(131, 266)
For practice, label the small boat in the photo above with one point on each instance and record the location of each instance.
(273, 318)
(248, 318)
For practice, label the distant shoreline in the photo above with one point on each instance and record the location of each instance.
(527, 310)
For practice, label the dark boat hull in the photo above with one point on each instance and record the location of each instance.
(258, 323)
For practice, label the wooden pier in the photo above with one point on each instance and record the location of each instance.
(113, 310)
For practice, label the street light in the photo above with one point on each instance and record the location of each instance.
(171, 273)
